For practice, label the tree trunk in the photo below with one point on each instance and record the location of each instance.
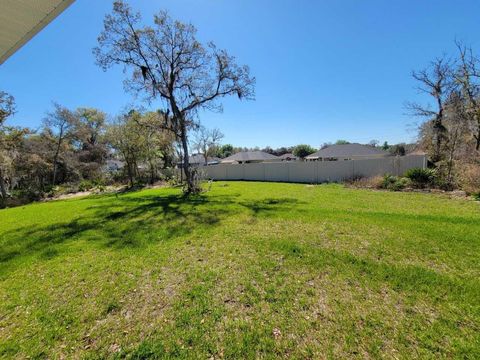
(186, 164)
(129, 171)
(453, 145)
(55, 157)
(130, 174)
(54, 172)
(438, 137)
(152, 173)
(3, 192)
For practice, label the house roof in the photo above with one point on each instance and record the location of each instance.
(347, 150)
(287, 156)
(250, 156)
(20, 20)
(114, 164)
(199, 159)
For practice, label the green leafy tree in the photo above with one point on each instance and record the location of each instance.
(7, 108)
(303, 150)
(61, 121)
(128, 140)
(138, 141)
(225, 151)
(89, 138)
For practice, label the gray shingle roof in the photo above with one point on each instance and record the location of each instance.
(287, 156)
(250, 156)
(347, 150)
(198, 159)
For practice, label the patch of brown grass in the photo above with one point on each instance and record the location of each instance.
(366, 183)
(469, 178)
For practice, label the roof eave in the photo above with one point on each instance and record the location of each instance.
(36, 29)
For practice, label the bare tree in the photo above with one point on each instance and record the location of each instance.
(467, 76)
(166, 62)
(207, 141)
(436, 82)
(61, 121)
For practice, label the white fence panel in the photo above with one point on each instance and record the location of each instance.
(373, 167)
(410, 162)
(302, 172)
(215, 172)
(276, 172)
(234, 172)
(316, 171)
(255, 172)
(332, 171)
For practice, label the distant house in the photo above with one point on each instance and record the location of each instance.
(347, 152)
(199, 160)
(113, 165)
(249, 157)
(288, 157)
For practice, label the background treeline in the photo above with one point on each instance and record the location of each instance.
(82, 149)
(79, 150)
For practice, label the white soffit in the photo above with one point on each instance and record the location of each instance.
(20, 20)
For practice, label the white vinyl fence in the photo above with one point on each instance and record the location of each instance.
(313, 171)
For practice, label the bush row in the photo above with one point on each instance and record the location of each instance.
(416, 178)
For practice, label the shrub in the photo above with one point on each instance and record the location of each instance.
(101, 188)
(394, 183)
(24, 196)
(85, 185)
(51, 191)
(477, 196)
(421, 177)
(69, 188)
(387, 181)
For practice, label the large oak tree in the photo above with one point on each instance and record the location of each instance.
(166, 62)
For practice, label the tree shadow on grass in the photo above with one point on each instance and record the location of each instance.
(407, 278)
(135, 221)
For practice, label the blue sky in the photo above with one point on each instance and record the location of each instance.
(326, 70)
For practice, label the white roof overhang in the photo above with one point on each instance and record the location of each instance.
(20, 20)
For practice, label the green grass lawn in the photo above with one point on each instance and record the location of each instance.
(247, 270)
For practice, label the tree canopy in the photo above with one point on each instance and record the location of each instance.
(303, 150)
